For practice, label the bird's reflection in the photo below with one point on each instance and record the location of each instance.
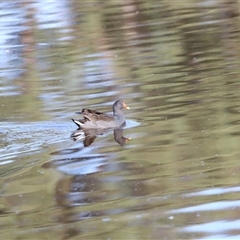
(118, 136)
(89, 135)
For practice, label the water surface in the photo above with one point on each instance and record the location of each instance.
(175, 64)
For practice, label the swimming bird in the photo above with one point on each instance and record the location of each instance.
(93, 119)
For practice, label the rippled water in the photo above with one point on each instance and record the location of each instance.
(176, 64)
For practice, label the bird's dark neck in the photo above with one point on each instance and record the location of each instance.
(118, 115)
(117, 111)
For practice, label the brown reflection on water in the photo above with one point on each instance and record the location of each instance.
(89, 135)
